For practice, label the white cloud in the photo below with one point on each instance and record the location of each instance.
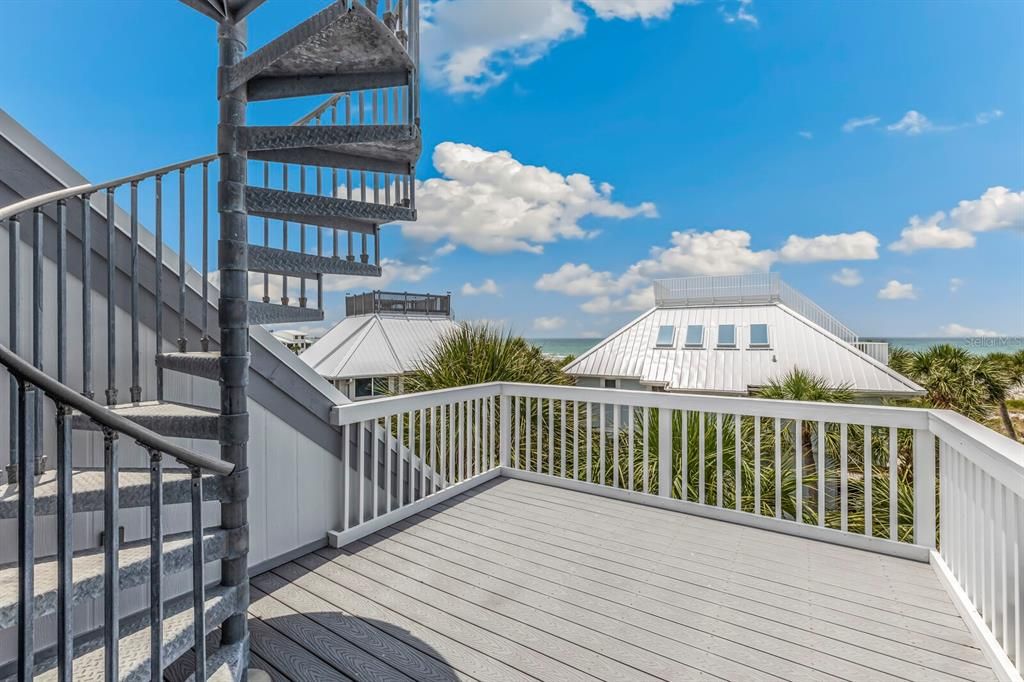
(493, 203)
(469, 47)
(997, 209)
(986, 117)
(639, 299)
(742, 14)
(896, 290)
(806, 134)
(720, 252)
(644, 10)
(848, 277)
(392, 271)
(959, 331)
(578, 280)
(913, 123)
(488, 286)
(954, 284)
(860, 245)
(444, 249)
(548, 324)
(854, 123)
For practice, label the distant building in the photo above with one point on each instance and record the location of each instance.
(731, 335)
(383, 336)
(295, 340)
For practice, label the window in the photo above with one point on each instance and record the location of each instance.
(726, 336)
(611, 383)
(758, 336)
(694, 336)
(666, 336)
(370, 387)
(364, 388)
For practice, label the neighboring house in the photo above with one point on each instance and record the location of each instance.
(295, 340)
(731, 335)
(383, 336)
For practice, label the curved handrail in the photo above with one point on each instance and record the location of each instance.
(103, 416)
(69, 192)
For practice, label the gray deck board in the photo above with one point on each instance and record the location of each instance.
(516, 580)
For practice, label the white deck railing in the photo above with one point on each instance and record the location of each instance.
(863, 476)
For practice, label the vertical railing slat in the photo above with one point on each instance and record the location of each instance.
(198, 584)
(924, 488)
(111, 393)
(664, 452)
(135, 390)
(893, 484)
(26, 540)
(111, 542)
(156, 562)
(158, 284)
(821, 469)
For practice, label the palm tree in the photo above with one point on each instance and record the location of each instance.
(480, 353)
(1012, 368)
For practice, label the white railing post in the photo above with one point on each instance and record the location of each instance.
(924, 488)
(503, 429)
(664, 452)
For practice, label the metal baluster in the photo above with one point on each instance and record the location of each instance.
(87, 296)
(320, 245)
(111, 392)
(334, 178)
(198, 587)
(111, 587)
(266, 235)
(158, 290)
(37, 337)
(136, 389)
(156, 565)
(182, 342)
(348, 177)
(205, 340)
(14, 247)
(26, 540)
(284, 245)
(302, 239)
(65, 625)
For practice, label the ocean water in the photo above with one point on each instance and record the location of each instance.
(977, 345)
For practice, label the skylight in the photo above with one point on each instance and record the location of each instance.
(758, 336)
(694, 336)
(666, 336)
(726, 336)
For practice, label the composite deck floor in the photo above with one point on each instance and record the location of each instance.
(521, 581)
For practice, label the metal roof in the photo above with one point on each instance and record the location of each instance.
(375, 345)
(794, 342)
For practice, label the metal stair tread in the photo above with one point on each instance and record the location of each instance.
(134, 645)
(204, 364)
(335, 41)
(294, 263)
(314, 209)
(87, 487)
(88, 570)
(380, 148)
(275, 313)
(166, 418)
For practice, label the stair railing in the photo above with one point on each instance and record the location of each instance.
(32, 385)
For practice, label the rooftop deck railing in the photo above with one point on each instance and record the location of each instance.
(928, 485)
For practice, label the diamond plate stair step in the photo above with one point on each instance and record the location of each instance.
(293, 263)
(379, 148)
(204, 364)
(336, 50)
(87, 571)
(167, 419)
(312, 209)
(87, 490)
(133, 648)
(274, 313)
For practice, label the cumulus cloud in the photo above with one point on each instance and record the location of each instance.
(860, 245)
(959, 331)
(471, 46)
(547, 324)
(848, 277)
(578, 280)
(913, 123)
(997, 209)
(493, 203)
(742, 13)
(954, 284)
(854, 123)
(392, 271)
(488, 286)
(895, 290)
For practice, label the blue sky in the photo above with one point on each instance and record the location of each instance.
(573, 150)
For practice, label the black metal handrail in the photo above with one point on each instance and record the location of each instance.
(107, 419)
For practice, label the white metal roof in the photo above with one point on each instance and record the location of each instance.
(795, 342)
(375, 345)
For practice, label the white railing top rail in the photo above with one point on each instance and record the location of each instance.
(999, 456)
(754, 288)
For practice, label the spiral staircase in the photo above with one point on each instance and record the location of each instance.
(363, 54)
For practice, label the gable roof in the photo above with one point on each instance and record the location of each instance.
(375, 345)
(795, 342)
